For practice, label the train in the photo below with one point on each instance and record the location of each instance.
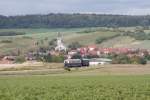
(76, 63)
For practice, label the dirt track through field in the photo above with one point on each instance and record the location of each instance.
(118, 70)
(93, 70)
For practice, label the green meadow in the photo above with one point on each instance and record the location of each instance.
(85, 36)
(75, 87)
(27, 42)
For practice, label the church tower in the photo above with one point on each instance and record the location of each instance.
(60, 45)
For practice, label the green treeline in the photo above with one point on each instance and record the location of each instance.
(72, 20)
(138, 35)
(99, 40)
(11, 33)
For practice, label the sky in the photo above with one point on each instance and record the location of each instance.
(125, 7)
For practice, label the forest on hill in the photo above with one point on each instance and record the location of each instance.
(72, 21)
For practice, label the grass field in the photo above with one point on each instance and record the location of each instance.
(75, 87)
(36, 35)
(85, 36)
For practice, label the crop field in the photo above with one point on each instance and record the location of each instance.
(58, 87)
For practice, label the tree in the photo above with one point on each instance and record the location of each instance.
(53, 58)
(52, 42)
(20, 59)
(74, 45)
(147, 57)
(47, 58)
(72, 21)
(143, 61)
(42, 42)
(121, 59)
(58, 59)
(138, 60)
(100, 40)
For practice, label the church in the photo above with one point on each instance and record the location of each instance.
(60, 45)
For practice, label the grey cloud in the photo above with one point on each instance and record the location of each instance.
(19, 7)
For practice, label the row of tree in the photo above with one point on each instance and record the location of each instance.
(72, 20)
(11, 33)
(138, 35)
(124, 59)
(99, 40)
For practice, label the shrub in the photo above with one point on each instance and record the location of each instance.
(74, 45)
(47, 58)
(92, 56)
(57, 59)
(52, 42)
(147, 57)
(6, 41)
(11, 33)
(121, 59)
(138, 35)
(101, 39)
(20, 59)
(27, 37)
(143, 61)
(66, 68)
(53, 58)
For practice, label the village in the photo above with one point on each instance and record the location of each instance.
(94, 54)
(75, 50)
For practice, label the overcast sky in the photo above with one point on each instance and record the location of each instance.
(22, 7)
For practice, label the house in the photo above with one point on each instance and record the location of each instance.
(83, 50)
(10, 58)
(72, 52)
(7, 60)
(93, 52)
(122, 50)
(92, 47)
(53, 52)
(107, 50)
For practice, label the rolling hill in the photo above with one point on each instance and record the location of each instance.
(85, 36)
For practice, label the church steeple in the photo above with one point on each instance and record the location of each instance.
(60, 46)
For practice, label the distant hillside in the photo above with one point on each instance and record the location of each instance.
(84, 36)
(72, 21)
(126, 41)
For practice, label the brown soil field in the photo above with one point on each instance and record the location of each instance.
(57, 69)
